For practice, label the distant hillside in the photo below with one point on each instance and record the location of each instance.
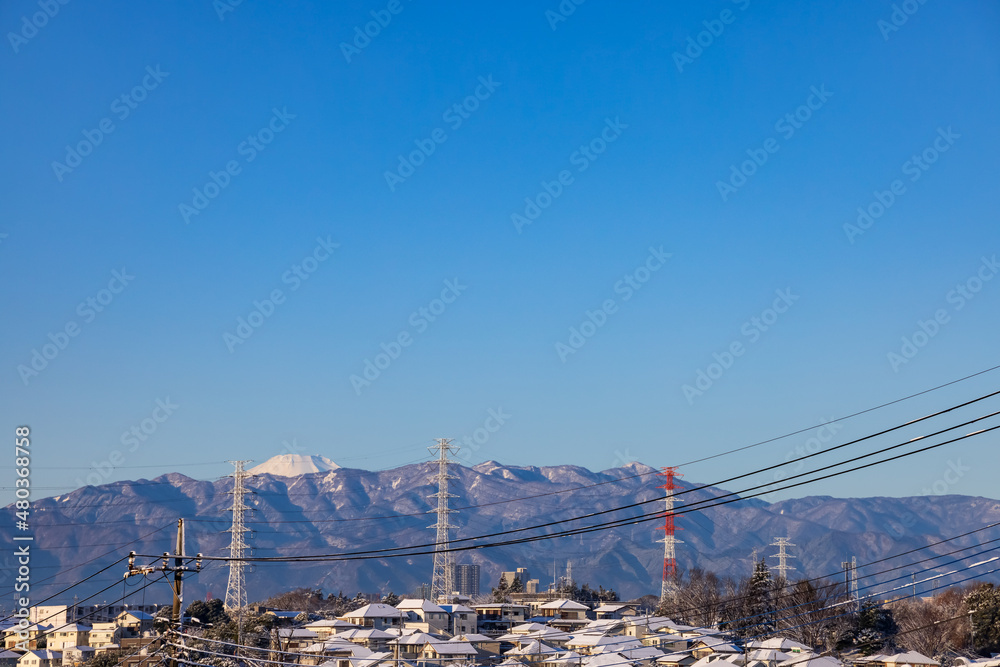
(346, 510)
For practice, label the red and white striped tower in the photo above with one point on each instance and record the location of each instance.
(668, 591)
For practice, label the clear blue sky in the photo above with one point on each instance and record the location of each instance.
(664, 129)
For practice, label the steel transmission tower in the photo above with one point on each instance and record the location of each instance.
(782, 567)
(236, 591)
(668, 589)
(441, 579)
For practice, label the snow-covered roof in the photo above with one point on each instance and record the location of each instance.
(716, 644)
(73, 627)
(297, 633)
(363, 634)
(564, 604)
(374, 610)
(770, 655)
(138, 615)
(45, 654)
(534, 647)
(779, 643)
(604, 625)
(338, 645)
(525, 628)
(605, 660)
(454, 648)
(592, 639)
(714, 663)
(810, 659)
(422, 605)
(473, 637)
(550, 634)
(375, 659)
(457, 608)
(415, 639)
(326, 623)
(511, 662)
(911, 658)
(640, 652)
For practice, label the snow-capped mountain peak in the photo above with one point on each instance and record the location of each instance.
(293, 465)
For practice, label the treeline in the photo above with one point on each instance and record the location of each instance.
(820, 613)
(312, 601)
(502, 592)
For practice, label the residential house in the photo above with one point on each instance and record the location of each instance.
(9, 658)
(710, 645)
(461, 619)
(103, 634)
(41, 658)
(293, 640)
(480, 642)
(73, 656)
(423, 616)
(616, 610)
(676, 659)
(449, 652)
(73, 634)
(533, 652)
(371, 638)
(376, 615)
(498, 618)
(139, 649)
(135, 623)
(325, 629)
(910, 658)
(26, 638)
(333, 650)
(411, 646)
(565, 614)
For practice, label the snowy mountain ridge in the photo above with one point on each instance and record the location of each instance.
(337, 510)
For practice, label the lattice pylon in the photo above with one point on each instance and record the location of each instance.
(669, 588)
(441, 577)
(236, 592)
(783, 568)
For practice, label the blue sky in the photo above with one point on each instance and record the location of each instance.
(664, 123)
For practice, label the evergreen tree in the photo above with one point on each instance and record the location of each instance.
(984, 604)
(502, 591)
(391, 599)
(207, 613)
(874, 629)
(751, 613)
(763, 615)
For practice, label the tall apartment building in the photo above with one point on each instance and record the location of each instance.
(466, 578)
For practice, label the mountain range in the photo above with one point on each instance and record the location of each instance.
(336, 510)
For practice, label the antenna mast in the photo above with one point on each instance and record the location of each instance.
(668, 589)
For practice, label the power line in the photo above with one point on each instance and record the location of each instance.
(645, 474)
(697, 506)
(724, 481)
